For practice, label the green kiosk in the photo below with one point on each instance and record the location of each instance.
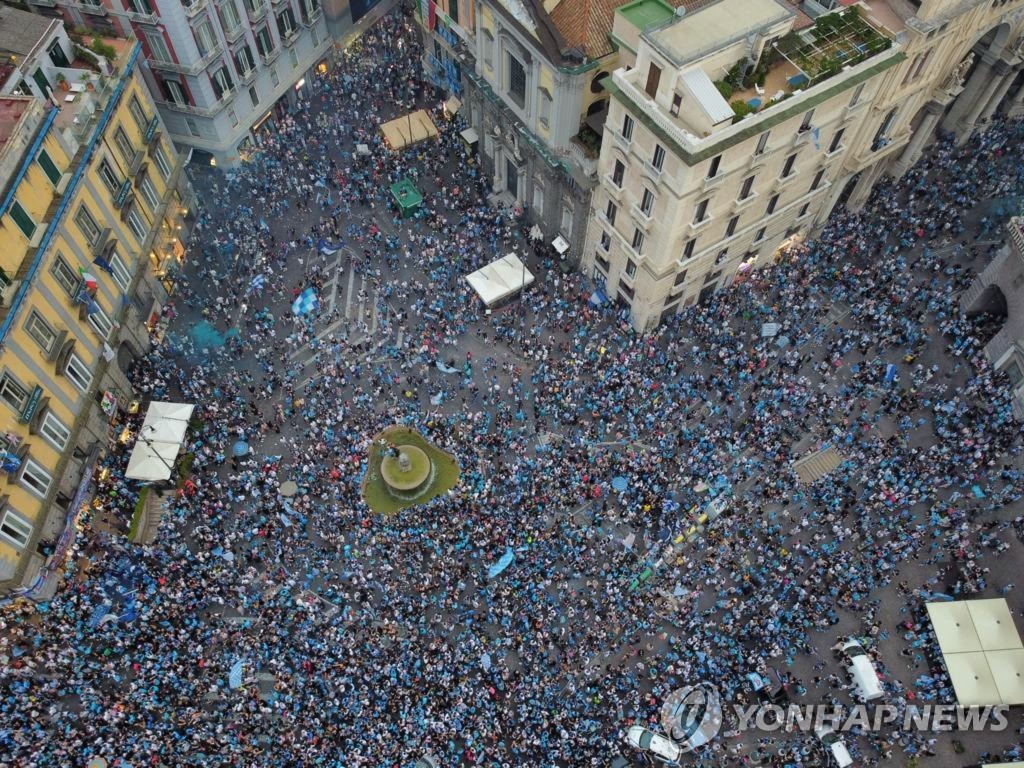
(407, 197)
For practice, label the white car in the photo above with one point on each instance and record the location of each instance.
(834, 745)
(660, 748)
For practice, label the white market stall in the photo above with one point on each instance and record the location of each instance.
(500, 280)
(159, 440)
(982, 650)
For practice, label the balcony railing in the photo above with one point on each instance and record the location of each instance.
(194, 8)
(236, 32)
(192, 109)
(270, 56)
(188, 69)
(257, 12)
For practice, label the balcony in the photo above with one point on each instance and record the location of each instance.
(713, 181)
(235, 33)
(247, 76)
(270, 56)
(653, 171)
(698, 226)
(143, 18)
(192, 10)
(620, 141)
(745, 202)
(257, 11)
(92, 10)
(192, 109)
(583, 155)
(188, 69)
(288, 38)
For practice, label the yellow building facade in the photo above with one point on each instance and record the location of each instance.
(93, 200)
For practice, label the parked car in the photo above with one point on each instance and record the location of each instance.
(661, 749)
(834, 746)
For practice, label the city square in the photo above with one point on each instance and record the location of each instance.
(406, 526)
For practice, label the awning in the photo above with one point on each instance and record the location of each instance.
(159, 440)
(560, 245)
(500, 279)
(410, 129)
(452, 105)
(470, 136)
(982, 650)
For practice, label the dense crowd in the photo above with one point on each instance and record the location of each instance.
(371, 640)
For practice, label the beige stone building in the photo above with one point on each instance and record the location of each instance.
(736, 128)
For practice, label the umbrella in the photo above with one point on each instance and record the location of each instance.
(306, 302)
(289, 488)
(240, 448)
(619, 483)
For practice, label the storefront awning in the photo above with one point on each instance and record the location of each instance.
(451, 107)
(500, 279)
(470, 136)
(560, 244)
(159, 440)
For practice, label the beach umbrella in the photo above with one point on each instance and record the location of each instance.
(289, 488)
(241, 448)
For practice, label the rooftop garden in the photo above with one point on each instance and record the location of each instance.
(835, 41)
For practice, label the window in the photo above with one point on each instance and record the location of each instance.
(253, 96)
(244, 61)
(700, 212)
(140, 6)
(748, 184)
(174, 92)
(611, 211)
(233, 117)
(716, 161)
(88, 225)
(149, 194)
(606, 242)
(78, 372)
(618, 174)
(193, 127)
(49, 167)
(120, 272)
(158, 46)
(161, 162)
(817, 179)
(35, 478)
(488, 44)
(787, 168)
(760, 234)
(229, 18)
(761, 144)
(856, 94)
(627, 127)
(677, 100)
(15, 530)
(659, 157)
(222, 83)
(137, 224)
(12, 393)
(315, 35)
(653, 79)
(124, 145)
(40, 331)
(453, 10)
(22, 219)
(730, 228)
(100, 322)
(836, 140)
(54, 432)
(805, 124)
(516, 80)
(138, 114)
(545, 106)
(277, 80)
(647, 203)
(722, 255)
(264, 45)
(638, 240)
(110, 179)
(688, 249)
(286, 22)
(803, 210)
(66, 277)
(205, 39)
(630, 267)
(711, 277)
(680, 278)
(771, 204)
(293, 57)
(604, 264)
(625, 290)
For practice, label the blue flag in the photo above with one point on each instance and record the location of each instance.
(235, 675)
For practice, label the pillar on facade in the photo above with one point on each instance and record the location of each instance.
(1000, 93)
(863, 188)
(922, 134)
(999, 71)
(980, 78)
(1015, 106)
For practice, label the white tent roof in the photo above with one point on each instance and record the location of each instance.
(1008, 671)
(972, 679)
(954, 627)
(159, 441)
(500, 279)
(994, 624)
(982, 651)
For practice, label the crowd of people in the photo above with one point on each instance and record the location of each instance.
(263, 628)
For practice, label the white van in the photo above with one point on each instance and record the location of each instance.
(835, 746)
(866, 684)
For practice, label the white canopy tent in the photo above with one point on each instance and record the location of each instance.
(159, 440)
(982, 650)
(500, 279)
